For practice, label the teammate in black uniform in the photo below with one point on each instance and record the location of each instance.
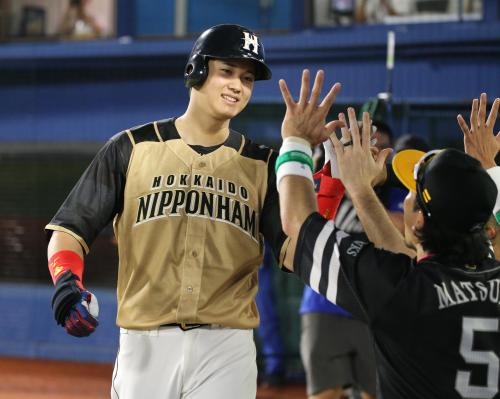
(435, 318)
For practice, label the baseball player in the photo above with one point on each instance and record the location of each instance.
(191, 201)
(435, 318)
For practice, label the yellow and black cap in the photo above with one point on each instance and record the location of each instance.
(452, 187)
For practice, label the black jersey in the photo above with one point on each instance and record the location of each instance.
(436, 327)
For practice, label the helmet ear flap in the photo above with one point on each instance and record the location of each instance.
(196, 71)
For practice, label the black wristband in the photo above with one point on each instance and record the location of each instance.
(66, 294)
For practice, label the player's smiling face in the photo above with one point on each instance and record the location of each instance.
(228, 87)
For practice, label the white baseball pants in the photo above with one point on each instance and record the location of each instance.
(202, 363)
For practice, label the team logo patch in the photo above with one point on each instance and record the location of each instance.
(251, 42)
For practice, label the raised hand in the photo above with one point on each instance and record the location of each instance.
(479, 139)
(359, 168)
(306, 118)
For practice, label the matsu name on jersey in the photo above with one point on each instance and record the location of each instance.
(199, 196)
(454, 293)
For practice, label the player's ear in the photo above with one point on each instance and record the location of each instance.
(490, 232)
(419, 221)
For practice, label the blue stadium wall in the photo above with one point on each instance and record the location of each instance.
(87, 91)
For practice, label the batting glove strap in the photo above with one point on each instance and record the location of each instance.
(66, 295)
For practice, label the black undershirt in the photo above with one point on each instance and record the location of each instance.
(204, 150)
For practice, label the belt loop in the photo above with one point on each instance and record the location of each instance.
(186, 326)
(155, 332)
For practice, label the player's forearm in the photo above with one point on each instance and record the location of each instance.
(61, 241)
(65, 253)
(377, 223)
(75, 308)
(297, 202)
(289, 255)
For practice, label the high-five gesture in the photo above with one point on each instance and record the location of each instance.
(306, 118)
(479, 139)
(358, 168)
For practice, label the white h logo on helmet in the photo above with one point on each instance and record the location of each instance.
(251, 40)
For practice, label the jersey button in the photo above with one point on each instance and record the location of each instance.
(202, 164)
(194, 254)
(189, 289)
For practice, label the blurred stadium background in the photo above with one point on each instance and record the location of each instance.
(62, 96)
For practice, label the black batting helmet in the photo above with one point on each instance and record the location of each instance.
(224, 41)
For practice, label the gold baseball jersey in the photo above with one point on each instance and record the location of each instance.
(189, 226)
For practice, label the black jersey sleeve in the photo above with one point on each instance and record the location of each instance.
(98, 195)
(347, 269)
(271, 221)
